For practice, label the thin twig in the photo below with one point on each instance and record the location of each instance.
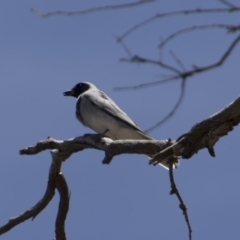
(180, 12)
(148, 84)
(227, 3)
(182, 205)
(178, 61)
(230, 28)
(90, 10)
(127, 50)
(173, 111)
(185, 74)
(150, 61)
(214, 65)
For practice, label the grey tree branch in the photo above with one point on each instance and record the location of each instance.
(182, 205)
(95, 141)
(55, 180)
(204, 134)
(90, 10)
(63, 207)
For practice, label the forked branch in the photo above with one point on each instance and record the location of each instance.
(202, 135)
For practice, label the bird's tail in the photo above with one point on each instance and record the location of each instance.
(165, 162)
(140, 135)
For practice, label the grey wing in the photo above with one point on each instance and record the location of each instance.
(101, 100)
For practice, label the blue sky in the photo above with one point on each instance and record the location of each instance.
(41, 58)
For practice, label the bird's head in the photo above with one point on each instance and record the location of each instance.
(78, 89)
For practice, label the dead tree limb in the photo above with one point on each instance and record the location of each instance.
(55, 180)
(95, 141)
(204, 134)
(182, 206)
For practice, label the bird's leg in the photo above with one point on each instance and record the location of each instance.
(100, 135)
(105, 132)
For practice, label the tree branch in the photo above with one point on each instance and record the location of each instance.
(204, 134)
(161, 64)
(228, 9)
(213, 65)
(90, 10)
(96, 141)
(62, 208)
(228, 27)
(180, 74)
(54, 179)
(148, 84)
(182, 205)
(174, 109)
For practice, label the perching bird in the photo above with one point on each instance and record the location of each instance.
(97, 111)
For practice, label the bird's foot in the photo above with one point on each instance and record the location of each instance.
(101, 135)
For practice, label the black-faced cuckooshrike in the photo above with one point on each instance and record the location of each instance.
(97, 111)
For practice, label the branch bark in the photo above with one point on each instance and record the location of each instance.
(202, 135)
(99, 142)
(55, 180)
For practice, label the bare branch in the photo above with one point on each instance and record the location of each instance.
(96, 141)
(148, 84)
(180, 12)
(90, 10)
(137, 59)
(204, 134)
(62, 187)
(214, 65)
(228, 27)
(227, 3)
(184, 74)
(172, 112)
(180, 75)
(177, 60)
(127, 50)
(182, 205)
(35, 210)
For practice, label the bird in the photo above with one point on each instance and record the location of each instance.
(94, 109)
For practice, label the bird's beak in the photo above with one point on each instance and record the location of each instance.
(69, 93)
